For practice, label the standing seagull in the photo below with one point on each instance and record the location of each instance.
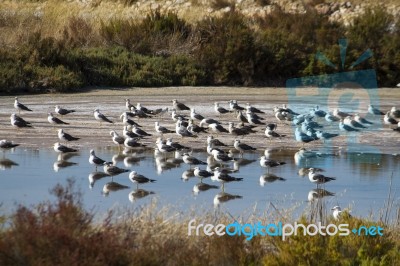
(268, 163)
(195, 116)
(314, 177)
(54, 120)
(388, 120)
(20, 107)
(117, 139)
(179, 106)
(160, 129)
(113, 170)
(375, 111)
(100, 117)
(242, 147)
(139, 179)
(18, 121)
(220, 110)
(65, 136)
(190, 160)
(63, 149)
(62, 111)
(93, 159)
(6, 144)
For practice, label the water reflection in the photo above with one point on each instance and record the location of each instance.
(112, 187)
(362, 179)
(7, 163)
(138, 194)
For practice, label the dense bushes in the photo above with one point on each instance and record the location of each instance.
(165, 50)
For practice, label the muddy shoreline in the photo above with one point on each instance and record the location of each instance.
(111, 102)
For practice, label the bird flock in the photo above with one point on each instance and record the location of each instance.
(188, 124)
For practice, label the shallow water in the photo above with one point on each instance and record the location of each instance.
(362, 185)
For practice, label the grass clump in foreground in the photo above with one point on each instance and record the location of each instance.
(63, 233)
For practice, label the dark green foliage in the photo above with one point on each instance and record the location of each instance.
(165, 50)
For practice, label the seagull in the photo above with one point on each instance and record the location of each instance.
(314, 177)
(182, 131)
(6, 144)
(54, 120)
(350, 122)
(132, 143)
(100, 117)
(339, 114)
(139, 179)
(117, 139)
(253, 109)
(141, 108)
(238, 131)
(220, 110)
(140, 132)
(318, 112)
(160, 129)
(361, 120)
(388, 120)
(268, 163)
(20, 107)
(302, 137)
(195, 116)
(179, 106)
(395, 113)
(325, 135)
(63, 149)
(176, 116)
(214, 141)
(223, 177)
(221, 156)
(303, 154)
(126, 121)
(241, 118)
(272, 134)
(190, 160)
(112, 170)
(175, 145)
(128, 105)
(65, 136)
(331, 118)
(242, 147)
(202, 173)
(128, 134)
(337, 211)
(208, 121)
(62, 111)
(19, 122)
(217, 128)
(233, 106)
(344, 127)
(375, 111)
(93, 159)
(193, 128)
(253, 118)
(163, 147)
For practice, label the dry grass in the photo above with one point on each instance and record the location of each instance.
(63, 233)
